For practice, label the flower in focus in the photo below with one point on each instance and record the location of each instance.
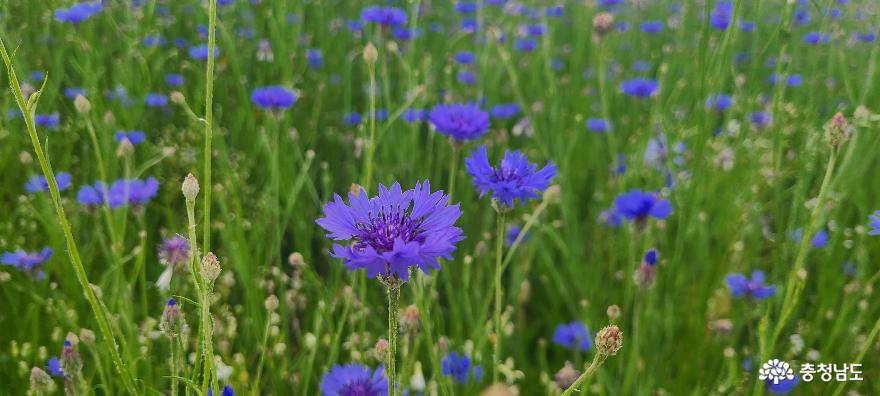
(354, 380)
(741, 286)
(41, 184)
(574, 335)
(459, 121)
(514, 178)
(394, 230)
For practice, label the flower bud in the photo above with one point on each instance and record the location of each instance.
(87, 336)
(613, 312)
(210, 268)
(177, 97)
(371, 54)
(71, 362)
(271, 303)
(609, 340)
(81, 104)
(170, 323)
(41, 383)
(497, 390)
(381, 349)
(837, 130)
(566, 376)
(603, 23)
(190, 188)
(645, 276)
(409, 321)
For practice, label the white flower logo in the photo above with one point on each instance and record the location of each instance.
(775, 370)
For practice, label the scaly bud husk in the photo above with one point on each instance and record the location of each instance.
(609, 340)
(41, 383)
(172, 318)
(210, 269)
(190, 187)
(271, 303)
(81, 104)
(837, 130)
(371, 54)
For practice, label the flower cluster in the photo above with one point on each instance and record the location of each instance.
(514, 178)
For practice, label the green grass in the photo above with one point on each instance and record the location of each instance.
(271, 175)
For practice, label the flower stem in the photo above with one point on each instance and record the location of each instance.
(370, 142)
(393, 312)
(28, 110)
(263, 347)
(209, 118)
(453, 168)
(598, 359)
(173, 366)
(499, 239)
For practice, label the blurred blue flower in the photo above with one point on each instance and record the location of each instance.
(721, 15)
(465, 7)
(760, 119)
(354, 379)
(814, 38)
(40, 184)
(574, 335)
(512, 233)
(200, 52)
(174, 80)
(78, 12)
(651, 26)
(156, 100)
(28, 262)
(414, 115)
(465, 58)
(174, 251)
(466, 77)
(747, 26)
(122, 192)
(394, 230)
(462, 121)
(650, 257)
(352, 119)
(48, 121)
(783, 386)
(153, 40)
(741, 286)
(514, 178)
(638, 206)
(273, 97)
(73, 92)
(314, 58)
(874, 223)
(820, 239)
(639, 87)
(720, 102)
(599, 125)
(385, 16)
(504, 111)
(133, 137)
(523, 44)
(53, 366)
(227, 391)
(459, 368)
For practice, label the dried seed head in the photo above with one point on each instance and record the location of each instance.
(210, 269)
(296, 259)
(371, 54)
(609, 340)
(190, 187)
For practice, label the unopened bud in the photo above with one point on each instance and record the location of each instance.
(381, 349)
(553, 194)
(609, 340)
(87, 336)
(296, 259)
(613, 312)
(177, 97)
(210, 269)
(645, 276)
(837, 130)
(81, 104)
(566, 376)
(409, 321)
(603, 23)
(41, 382)
(371, 54)
(271, 303)
(190, 187)
(171, 319)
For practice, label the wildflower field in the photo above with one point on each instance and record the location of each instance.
(475, 197)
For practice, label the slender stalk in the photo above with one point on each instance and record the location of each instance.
(256, 389)
(28, 110)
(393, 312)
(453, 166)
(598, 359)
(370, 142)
(499, 239)
(209, 119)
(173, 366)
(206, 322)
(872, 337)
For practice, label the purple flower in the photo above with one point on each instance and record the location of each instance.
(512, 233)
(459, 368)
(523, 44)
(122, 192)
(721, 15)
(637, 205)
(719, 102)
(40, 184)
(460, 121)
(652, 26)
(174, 251)
(466, 77)
(27, 262)
(354, 380)
(465, 7)
(200, 52)
(352, 119)
(385, 16)
(174, 80)
(650, 257)
(760, 119)
(78, 12)
(820, 239)
(273, 97)
(227, 391)
(505, 111)
(639, 87)
(53, 366)
(48, 121)
(133, 137)
(414, 115)
(515, 177)
(741, 286)
(874, 223)
(574, 335)
(156, 100)
(465, 58)
(598, 125)
(814, 38)
(394, 230)
(783, 386)
(314, 58)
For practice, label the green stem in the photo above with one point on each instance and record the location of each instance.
(173, 367)
(453, 167)
(371, 141)
(393, 312)
(598, 359)
(209, 118)
(872, 336)
(72, 250)
(499, 239)
(256, 390)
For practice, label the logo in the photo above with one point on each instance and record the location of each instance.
(775, 370)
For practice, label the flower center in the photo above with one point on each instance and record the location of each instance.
(384, 228)
(359, 388)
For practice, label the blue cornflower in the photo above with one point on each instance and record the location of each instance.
(414, 115)
(814, 38)
(747, 26)
(153, 40)
(504, 111)
(38, 76)
(801, 17)
(720, 102)
(760, 119)
(174, 80)
(465, 7)
(512, 233)
(53, 366)
(466, 77)
(459, 368)
(78, 12)
(741, 286)
(874, 223)
(462, 121)
(639, 87)
(641, 66)
(599, 125)
(535, 30)
(314, 58)
(721, 15)
(867, 37)
(783, 386)
(523, 44)
(48, 121)
(385, 16)
(354, 380)
(273, 97)
(514, 178)
(156, 100)
(650, 257)
(820, 239)
(638, 206)
(611, 218)
(353, 118)
(574, 335)
(174, 251)
(73, 92)
(40, 184)
(200, 52)
(27, 262)
(394, 230)
(465, 58)
(651, 26)
(381, 115)
(609, 3)
(122, 192)
(133, 137)
(227, 391)
(404, 34)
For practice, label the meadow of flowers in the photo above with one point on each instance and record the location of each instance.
(475, 197)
